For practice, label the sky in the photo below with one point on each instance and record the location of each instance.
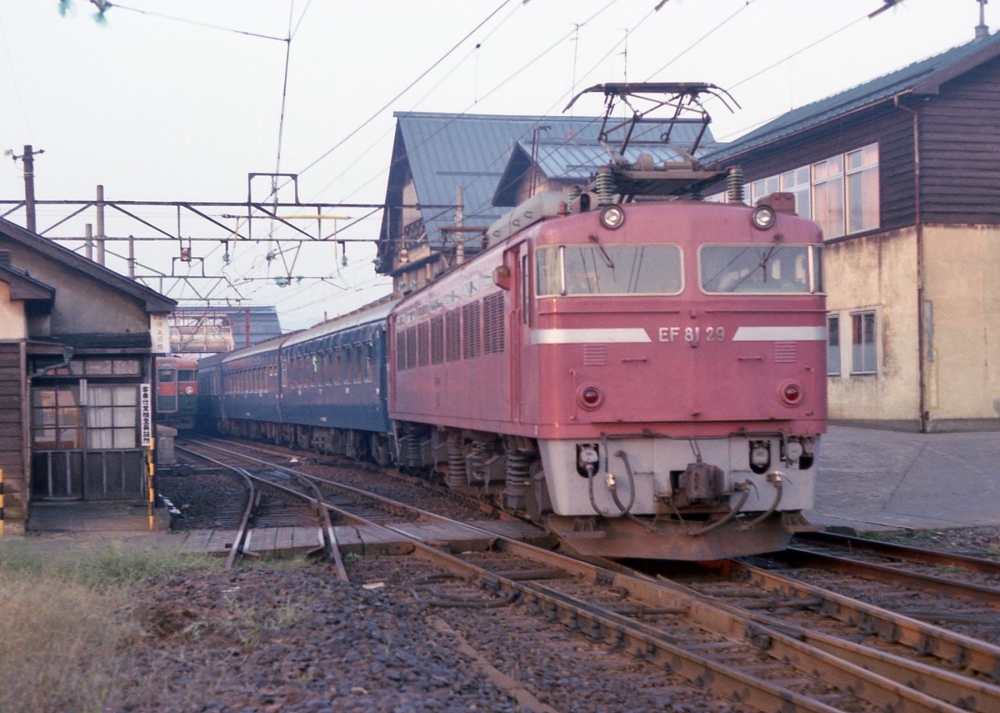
(179, 100)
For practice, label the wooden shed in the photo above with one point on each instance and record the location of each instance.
(75, 370)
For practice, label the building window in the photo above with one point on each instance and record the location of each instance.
(55, 418)
(862, 189)
(863, 343)
(111, 417)
(797, 183)
(828, 196)
(764, 187)
(833, 345)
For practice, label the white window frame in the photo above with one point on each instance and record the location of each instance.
(805, 192)
(865, 369)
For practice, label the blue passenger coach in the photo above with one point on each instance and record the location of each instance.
(322, 388)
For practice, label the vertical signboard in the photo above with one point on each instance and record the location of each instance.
(145, 415)
(159, 333)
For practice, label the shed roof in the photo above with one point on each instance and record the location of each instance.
(154, 301)
(444, 151)
(923, 77)
(23, 286)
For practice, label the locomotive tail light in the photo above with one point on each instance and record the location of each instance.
(612, 217)
(590, 397)
(763, 217)
(791, 393)
(760, 456)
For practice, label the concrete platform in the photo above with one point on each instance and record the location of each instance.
(880, 480)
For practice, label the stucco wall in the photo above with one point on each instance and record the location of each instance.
(11, 315)
(82, 305)
(876, 272)
(962, 320)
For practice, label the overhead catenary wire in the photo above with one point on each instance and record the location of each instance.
(404, 90)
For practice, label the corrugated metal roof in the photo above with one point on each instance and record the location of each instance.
(920, 77)
(472, 151)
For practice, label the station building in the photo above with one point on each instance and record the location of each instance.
(903, 175)
(76, 361)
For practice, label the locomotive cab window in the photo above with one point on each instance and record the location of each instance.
(579, 270)
(761, 269)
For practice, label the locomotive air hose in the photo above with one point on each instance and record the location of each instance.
(774, 478)
(744, 487)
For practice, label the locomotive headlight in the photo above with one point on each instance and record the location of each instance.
(760, 455)
(612, 217)
(793, 451)
(763, 217)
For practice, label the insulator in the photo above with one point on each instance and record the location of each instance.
(574, 192)
(457, 477)
(605, 186)
(734, 184)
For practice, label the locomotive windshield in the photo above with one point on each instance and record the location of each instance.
(791, 269)
(609, 270)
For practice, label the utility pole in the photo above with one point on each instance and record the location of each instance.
(29, 183)
(100, 225)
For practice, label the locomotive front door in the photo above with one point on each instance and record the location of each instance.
(515, 263)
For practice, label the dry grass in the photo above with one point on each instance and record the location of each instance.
(65, 623)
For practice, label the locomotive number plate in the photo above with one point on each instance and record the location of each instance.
(692, 334)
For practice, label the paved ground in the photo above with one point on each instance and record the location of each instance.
(871, 479)
(868, 480)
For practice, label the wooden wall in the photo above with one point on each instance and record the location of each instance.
(960, 150)
(12, 417)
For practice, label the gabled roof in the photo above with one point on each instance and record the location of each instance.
(444, 151)
(923, 77)
(154, 301)
(23, 286)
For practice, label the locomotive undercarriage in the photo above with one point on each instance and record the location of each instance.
(696, 511)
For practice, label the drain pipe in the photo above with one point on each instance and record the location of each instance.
(924, 416)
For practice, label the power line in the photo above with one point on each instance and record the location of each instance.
(405, 90)
(199, 24)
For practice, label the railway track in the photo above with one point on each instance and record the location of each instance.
(765, 641)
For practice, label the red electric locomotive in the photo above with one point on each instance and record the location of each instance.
(647, 378)
(176, 392)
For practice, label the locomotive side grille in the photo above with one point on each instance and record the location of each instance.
(424, 343)
(400, 356)
(411, 348)
(595, 354)
(785, 352)
(437, 340)
(471, 331)
(453, 335)
(493, 331)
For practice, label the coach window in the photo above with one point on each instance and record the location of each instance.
(358, 364)
(833, 345)
(863, 345)
(369, 361)
(761, 269)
